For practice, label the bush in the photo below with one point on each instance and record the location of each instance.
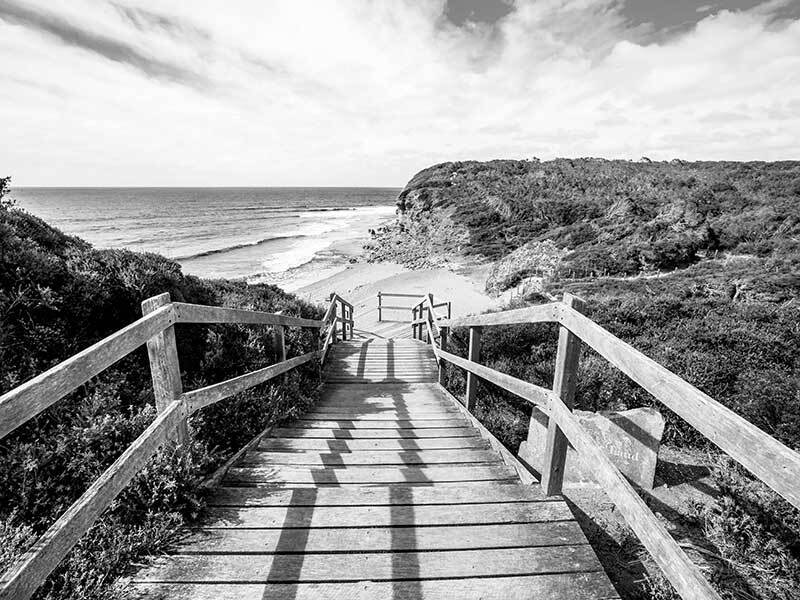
(59, 295)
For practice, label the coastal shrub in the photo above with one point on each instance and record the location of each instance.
(615, 217)
(59, 295)
(731, 328)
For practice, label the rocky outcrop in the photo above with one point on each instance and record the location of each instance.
(534, 259)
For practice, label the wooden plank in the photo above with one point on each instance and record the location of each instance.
(564, 382)
(524, 475)
(211, 394)
(382, 539)
(379, 566)
(383, 408)
(165, 370)
(387, 307)
(474, 356)
(216, 478)
(343, 321)
(383, 415)
(400, 366)
(280, 342)
(764, 456)
(399, 379)
(32, 568)
(676, 566)
(464, 493)
(299, 444)
(533, 393)
(573, 586)
(341, 300)
(29, 399)
(330, 338)
(277, 517)
(381, 424)
(540, 313)
(346, 434)
(364, 475)
(198, 313)
(442, 364)
(344, 459)
(415, 296)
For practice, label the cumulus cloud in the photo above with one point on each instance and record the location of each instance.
(365, 93)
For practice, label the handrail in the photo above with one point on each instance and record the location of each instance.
(394, 307)
(765, 457)
(21, 404)
(398, 295)
(198, 313)
(24, 402)
(331, 319)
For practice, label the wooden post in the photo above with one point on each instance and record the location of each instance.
(442, 362)
(280, 342)
(334, 321)
(564, 380)
(379, 307)
(164, 366)
(352, 322)
(344, 322)
(413, 326)
(449, 311)
(474, 356)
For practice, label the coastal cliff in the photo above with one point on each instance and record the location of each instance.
(695, 264)
(590, 217)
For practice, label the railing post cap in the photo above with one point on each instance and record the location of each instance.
(573, 301)
(154, 302)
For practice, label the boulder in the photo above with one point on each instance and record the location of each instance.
(538, 259)
(631, 438)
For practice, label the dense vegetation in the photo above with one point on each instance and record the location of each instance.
(614, 217)
(695, 264)
(58, 295)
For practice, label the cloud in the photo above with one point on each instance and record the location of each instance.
(104, 46)
(249, 92)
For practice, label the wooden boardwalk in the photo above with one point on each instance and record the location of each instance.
(387, 489)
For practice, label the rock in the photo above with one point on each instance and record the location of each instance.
(631, 438)
(538, 259)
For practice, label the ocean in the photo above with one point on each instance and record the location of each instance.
(287, 236)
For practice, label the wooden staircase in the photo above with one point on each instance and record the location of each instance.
(384, 490)
(390, 487)
(381, 361)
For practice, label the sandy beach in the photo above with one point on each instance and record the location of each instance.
(361, 282)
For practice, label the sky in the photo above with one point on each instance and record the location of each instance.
(368, 92)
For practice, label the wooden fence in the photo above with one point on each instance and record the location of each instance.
(156, 328)
(382, 307)
(765, 457)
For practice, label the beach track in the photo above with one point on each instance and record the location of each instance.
(388, 488)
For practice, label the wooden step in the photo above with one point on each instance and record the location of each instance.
(366, 445)
(382, 423)
(379, 414)
(399, 379)
(347, 434)
(377, 458)
(490, 493)
(354, 567)
(386, 516)
(590, 585)
(382, 538)
(289, 475)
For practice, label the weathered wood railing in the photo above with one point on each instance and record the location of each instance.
(765, 457)
(393, 307)
(156, 328)
(340, 311)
